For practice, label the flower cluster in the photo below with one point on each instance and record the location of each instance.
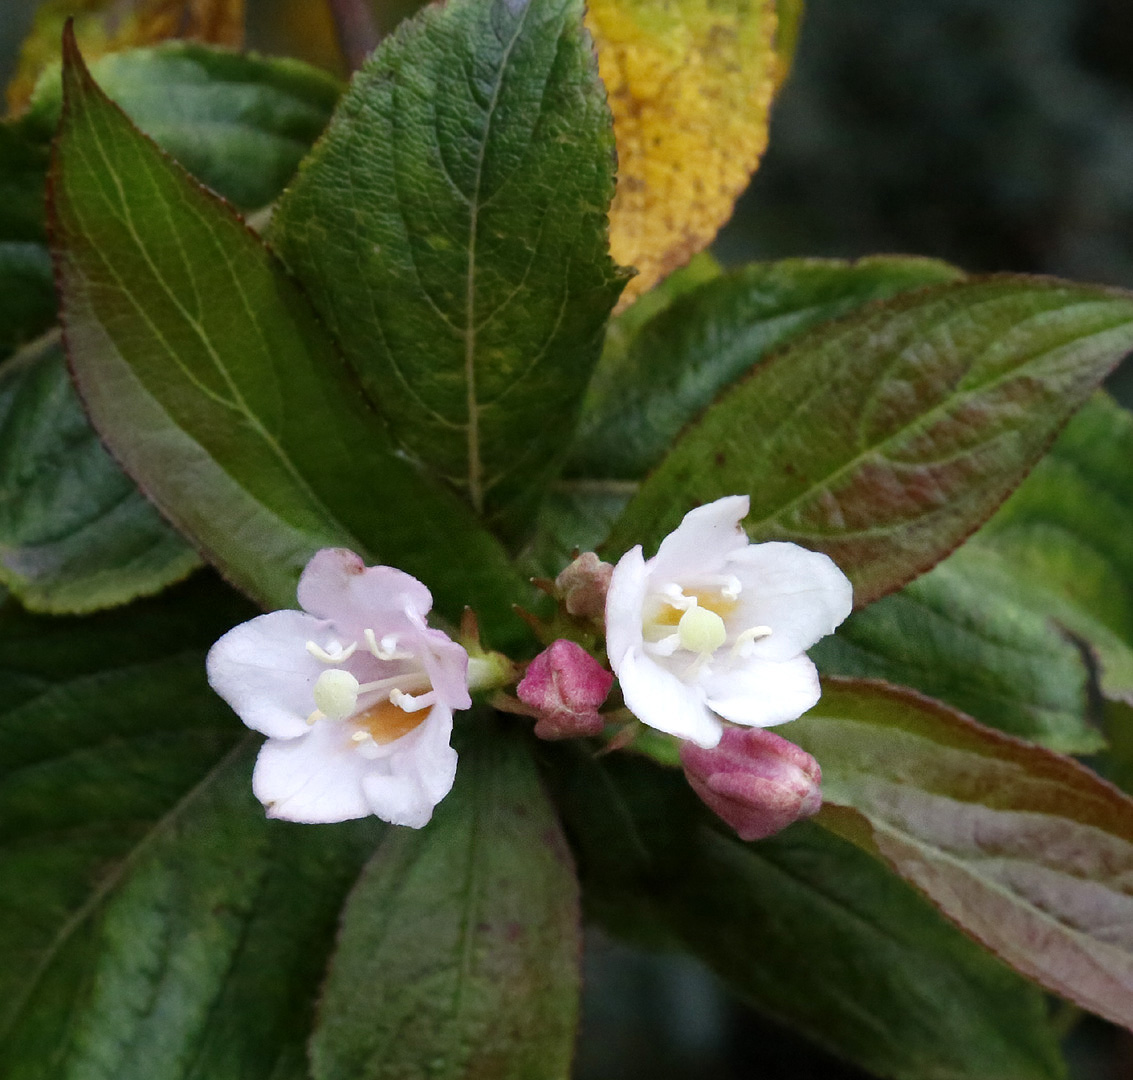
(356, 693)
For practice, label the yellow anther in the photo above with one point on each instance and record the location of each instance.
(701, 631)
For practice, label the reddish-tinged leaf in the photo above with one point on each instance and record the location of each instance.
(884, 439)
(1028, 851)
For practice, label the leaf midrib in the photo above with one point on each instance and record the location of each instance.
(475, 464)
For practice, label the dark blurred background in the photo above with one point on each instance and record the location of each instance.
(996, 134)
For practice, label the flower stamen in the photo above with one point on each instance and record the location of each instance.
(334, 653)
(752, 633)
(387, 648)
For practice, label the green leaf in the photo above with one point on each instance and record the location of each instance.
(216, 388)
(153, 924)
(239, 123)
(147, 913)
(458, 955)
(672, 367)
(886, 438)
(803, 926)
(969, 638)
(451, 229)
(1028, 852)
(75, 534)
(1064, 541)
(669, 355)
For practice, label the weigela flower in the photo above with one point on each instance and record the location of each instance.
(565, 686)
(756, 781)
(355, 693)
(715, 627)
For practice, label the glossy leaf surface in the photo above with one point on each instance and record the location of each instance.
(459, 950)
(216, 388)
(1027, 851)
(886, 438)
(451, 229)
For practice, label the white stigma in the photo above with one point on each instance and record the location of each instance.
(701, 631)
(336, 694)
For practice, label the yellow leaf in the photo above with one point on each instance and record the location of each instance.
(103, 26)
(690, 84)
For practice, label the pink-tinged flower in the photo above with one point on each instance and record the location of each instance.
(714, 627)
(756, 781)
(565, 686)
(583, 586)
(355, 693)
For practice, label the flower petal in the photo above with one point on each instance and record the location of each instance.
(263, 670)
(703, 541)
(800, 594)
(624, 603)
(337, 585)
(658, 698)
(446, 663)
(414, 779)
(762, 693)
(317, 778)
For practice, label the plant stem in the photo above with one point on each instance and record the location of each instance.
(357, 32)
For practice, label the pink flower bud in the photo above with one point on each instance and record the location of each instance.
(583, 586)
(565, 685)
(756, 781)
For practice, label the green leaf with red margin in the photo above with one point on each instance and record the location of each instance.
(459, 949)
(886, 438)
(1027, 851)
(803, 925)
(209, 376)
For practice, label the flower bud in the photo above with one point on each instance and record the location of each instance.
(756, 781)
(564, 686)
(583, 586)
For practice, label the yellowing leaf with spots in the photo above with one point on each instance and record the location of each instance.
(690, 84)
(103, 26)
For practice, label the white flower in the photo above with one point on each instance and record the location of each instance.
(715, 626)
(355, 694)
